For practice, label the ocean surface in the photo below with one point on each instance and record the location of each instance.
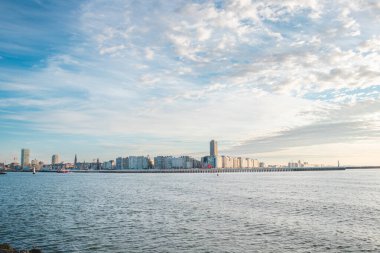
(327, 211)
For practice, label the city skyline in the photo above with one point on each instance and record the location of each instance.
(278, 81)
(213, 159)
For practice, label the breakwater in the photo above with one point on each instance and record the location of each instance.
(222, 170)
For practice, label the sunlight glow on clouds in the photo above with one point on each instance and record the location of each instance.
(165, 77)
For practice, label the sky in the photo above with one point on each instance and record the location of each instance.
(274, 80)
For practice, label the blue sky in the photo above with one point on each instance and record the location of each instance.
(273, 80)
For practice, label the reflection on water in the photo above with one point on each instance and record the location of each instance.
(334, 211)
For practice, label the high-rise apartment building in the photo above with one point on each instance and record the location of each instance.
(163, 162)
(213, 148)
(121, 163)
(137, 162)
(55, 159)
(25, 153)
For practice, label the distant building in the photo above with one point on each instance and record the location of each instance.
(178, 163)
(14, 166)
(298, 164)
(37, 164)
(209, 162)
(244, 163)
(109, 165)
(236, 163)
(122, 163)
(119, 163)
(184, 162)
(98, 167)
(227, 161)
(250, 163)
(213, 148)
(75, 160)
(216, 161)
(25, 153)
(163, 162)
(137, 162)
(55, 159)
(125, 163)
(150, 163)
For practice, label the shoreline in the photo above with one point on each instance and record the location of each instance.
(199, 170)
(213, 170)
(223, 170)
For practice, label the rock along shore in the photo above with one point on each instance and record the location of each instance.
(6, 248)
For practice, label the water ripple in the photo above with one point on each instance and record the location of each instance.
(260, 212)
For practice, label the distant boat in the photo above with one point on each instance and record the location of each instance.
(2, 173)
(34, 170)
(62, 171)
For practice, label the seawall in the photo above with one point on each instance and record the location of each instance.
(223, 170)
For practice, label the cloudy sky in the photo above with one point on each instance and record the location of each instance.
(273, 80)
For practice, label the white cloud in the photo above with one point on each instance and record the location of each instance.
(149, 53)
(370, 46)
(149, 79)
(111, 50)
(236, 72)
(283, 10)
(349, 23)
(352, 139)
